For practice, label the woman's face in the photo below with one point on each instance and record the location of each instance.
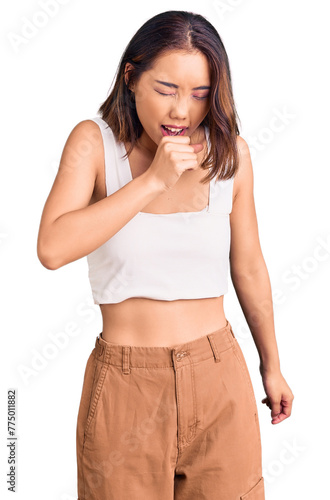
(176, 91)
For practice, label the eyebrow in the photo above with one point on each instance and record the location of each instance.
(202, 87)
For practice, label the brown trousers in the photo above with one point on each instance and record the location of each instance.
(169, 423)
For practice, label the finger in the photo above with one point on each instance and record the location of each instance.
(266, 402)
(188, 148)
(276, 409)
(283, 407)
(279, 418)
(283, 414)
(185, 156)
(188, 164)
(287, 408)
(197, 147)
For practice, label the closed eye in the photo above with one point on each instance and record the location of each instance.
(161, 93)
(195, 96)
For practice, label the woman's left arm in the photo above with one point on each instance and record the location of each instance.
(251, 281)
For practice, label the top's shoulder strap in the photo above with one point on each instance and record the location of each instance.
(114, 177)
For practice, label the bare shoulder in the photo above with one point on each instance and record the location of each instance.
(88, 135)
(83, 148)
(244, 175)
(242, 144)
(88, 125)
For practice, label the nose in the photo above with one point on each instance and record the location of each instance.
(179, 108)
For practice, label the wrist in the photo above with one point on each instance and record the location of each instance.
(269, 367)
(153, 183)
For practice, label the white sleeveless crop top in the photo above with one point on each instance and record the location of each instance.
(182, 255)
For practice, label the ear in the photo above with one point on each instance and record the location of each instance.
(128, 68)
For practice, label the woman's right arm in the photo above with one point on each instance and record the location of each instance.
(70, 228)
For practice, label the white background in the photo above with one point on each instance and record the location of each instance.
(278, 51)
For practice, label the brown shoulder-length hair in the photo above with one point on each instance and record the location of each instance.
(178, 30)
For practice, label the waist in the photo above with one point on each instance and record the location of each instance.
(152, 323)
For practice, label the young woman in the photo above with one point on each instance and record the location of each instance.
(157, 192)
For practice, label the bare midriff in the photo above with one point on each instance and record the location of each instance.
(153, 323)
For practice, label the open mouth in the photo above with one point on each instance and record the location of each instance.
(172, 131)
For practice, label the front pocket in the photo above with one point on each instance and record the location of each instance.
(257, 492)
(100, 370)
(245, 371)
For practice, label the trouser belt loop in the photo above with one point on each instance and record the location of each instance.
(214, 348)
(99, 347)
(126, 355)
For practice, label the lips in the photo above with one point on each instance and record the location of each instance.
(172, 130)
(174, 126)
